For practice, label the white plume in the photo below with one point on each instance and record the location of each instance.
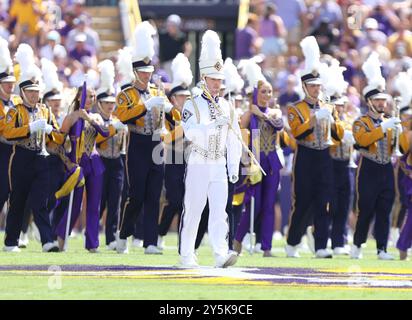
(233, 81)
(124, 65)
(5, 59)
(371, 69)
(144, 45)
(50, 76)
(332, 79)
(403, 84)
(28, 69)
(210, 46)
(106, 69)
(252, 72)
(182, 74)
(310, 49)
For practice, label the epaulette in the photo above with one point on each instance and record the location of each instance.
(124, 95)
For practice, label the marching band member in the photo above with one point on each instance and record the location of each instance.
(140, 105)
(312, 125)
(92, 166)
(28, 125)
(174, 145)
(110, 153)
(206, 120)
(375, 186)
(7, 101)
(269, 122)
(342, 157)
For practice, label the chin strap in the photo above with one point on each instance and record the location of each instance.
(305, 90)
(372, 108)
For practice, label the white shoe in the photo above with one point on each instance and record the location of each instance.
(277, 236)
(137, 243)
(121, 246)
(160, 242)
(310, 239)
(11, 249)
(323, 254)
(188, 262)
(246, 242)
(341, 251)
(258, 248)
(23, 240)
(229, 260)
(112, 245)
(382, 255)
(356, 252)
(151, 249)
(50, 247)
(292, 251)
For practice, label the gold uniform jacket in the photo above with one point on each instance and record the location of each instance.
(313, 137)
(17, 126)
(372, 143)
(3, 112)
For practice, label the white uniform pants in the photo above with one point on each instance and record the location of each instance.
(202, 183)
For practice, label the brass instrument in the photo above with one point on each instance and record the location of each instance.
(396, 151)
(238, 136)
(329, 140)
(162, 131)
(41, 135)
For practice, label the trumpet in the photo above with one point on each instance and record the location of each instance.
(396, 151)
(238, 136)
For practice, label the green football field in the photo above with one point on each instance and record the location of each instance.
(78, 274)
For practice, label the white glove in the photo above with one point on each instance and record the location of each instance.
(323, 114)
(390, 123)
(37, 125)
(154, 102)
(48, 129)
(168, 107)
(222, 121)
(233, 178)
(348, 137)
(119, 126)
(233, 173)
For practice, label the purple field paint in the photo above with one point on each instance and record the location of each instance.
(291, 277)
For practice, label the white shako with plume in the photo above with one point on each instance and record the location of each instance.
(106, 89)
(210, 61)
(376, 83)
(143, 50)
(182, 75)
(6, 64)
(53, 86)
(333, 82)
(403, 84)
(125, 68)
(310, 49)
(30, 77)
(233, 81)
(253, 74)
